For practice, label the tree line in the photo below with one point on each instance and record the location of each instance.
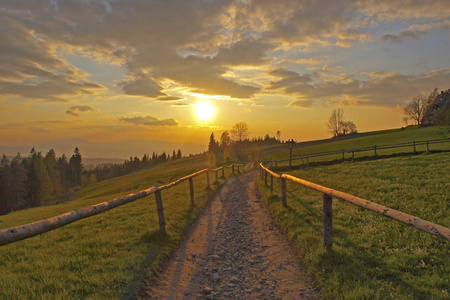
(234, 145)
(38, 180)
(107, 171)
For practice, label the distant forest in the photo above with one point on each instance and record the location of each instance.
(39, 180)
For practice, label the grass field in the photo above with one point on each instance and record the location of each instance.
(389, 137)
(108, 255)
(373, 257)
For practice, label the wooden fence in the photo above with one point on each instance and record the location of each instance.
(18, 233)
(327, 198)
(375, 149)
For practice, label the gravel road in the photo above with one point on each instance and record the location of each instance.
(234, 251)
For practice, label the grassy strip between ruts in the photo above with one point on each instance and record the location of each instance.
(373, 257)
(108, 255)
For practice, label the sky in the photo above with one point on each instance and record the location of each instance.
(114, 70)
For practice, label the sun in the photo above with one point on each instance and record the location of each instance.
(204, 111)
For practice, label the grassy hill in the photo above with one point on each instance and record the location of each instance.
(380, 138)
(373, 257)
(108, 255)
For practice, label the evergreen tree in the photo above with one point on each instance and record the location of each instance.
(76, 164)
(55, 177)
(38, 182)
(18, 188)
(5, 179)
(179, 155)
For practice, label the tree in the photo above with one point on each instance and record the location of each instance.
(279, 136)
(39, 186)
(239, 132)
(5, 180)
(179, 155)
(348, 127)
(76, 164)
(225, 140)
(335, 122)
(417, 107)
(213, 145)
(50, 162)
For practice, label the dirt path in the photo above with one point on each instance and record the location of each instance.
(234, 251)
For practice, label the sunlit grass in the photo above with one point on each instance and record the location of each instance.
(108, 255)
(373, 257)
(390, 137)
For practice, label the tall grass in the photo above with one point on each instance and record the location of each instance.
(373, 257)
(108, 255)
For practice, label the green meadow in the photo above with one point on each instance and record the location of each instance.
(381, 138)
(373, 257)
(108, 255)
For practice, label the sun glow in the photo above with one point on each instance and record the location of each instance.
(204, 111)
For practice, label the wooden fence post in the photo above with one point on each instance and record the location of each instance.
(375, 147)
(223, 172)
(159, 207)
(232, 169)
(238, 169)
(414, 145)
(343, 154)
(428, 149)
(265, 177)
(191, 187)
(283, 191)
(271, 182)
(327, 221)
(208, 186)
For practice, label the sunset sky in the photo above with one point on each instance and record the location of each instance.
(115, 70)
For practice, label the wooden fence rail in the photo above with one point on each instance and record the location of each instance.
(375, 149)
(11, 235)
(328, 194)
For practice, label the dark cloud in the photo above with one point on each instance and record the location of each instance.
(80, 108)
(150, 121)
(38, 130)
(170, 98)
(403, 35)
(143, 86)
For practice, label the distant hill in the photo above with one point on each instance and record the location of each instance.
(115, 150)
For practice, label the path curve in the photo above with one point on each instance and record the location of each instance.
(234, 251)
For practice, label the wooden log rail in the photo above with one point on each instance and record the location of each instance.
(375, 149)
(328, 194)
(11, 235)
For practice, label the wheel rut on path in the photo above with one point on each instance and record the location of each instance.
(234, 251)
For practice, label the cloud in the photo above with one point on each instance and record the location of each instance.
(150, 121)
(80, 108)
(170, 98)
(38, 130)
(381, 89)
(403, 35)
(190, 43)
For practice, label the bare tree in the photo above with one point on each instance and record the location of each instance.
(416, 108)
(335, 122)
(239, 132)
